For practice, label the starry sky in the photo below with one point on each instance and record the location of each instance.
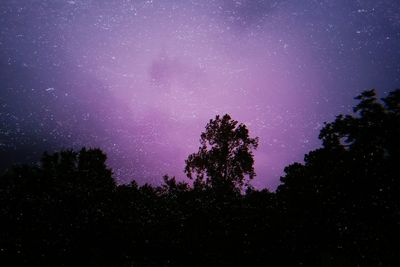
(141, 78)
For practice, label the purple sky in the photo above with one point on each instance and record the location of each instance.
(141, 79)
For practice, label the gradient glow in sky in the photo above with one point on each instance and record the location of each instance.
(140, 79)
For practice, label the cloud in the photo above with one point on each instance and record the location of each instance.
(181, 72)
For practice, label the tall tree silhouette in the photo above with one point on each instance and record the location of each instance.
(344, 198)
(225, 156)
(338, 208)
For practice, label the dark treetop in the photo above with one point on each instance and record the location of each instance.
(339, 208)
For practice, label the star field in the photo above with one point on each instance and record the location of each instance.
(140, 79)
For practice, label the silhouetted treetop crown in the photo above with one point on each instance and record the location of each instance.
(225, 156)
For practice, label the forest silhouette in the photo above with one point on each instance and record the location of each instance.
(341, 207)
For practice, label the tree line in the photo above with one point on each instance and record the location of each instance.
(341, 207)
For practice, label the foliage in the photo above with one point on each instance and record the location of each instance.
(225, 156)
(338, 208)
(350, 185)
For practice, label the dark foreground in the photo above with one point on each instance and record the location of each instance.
(340, 208)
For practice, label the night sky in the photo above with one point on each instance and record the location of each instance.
(140, 79)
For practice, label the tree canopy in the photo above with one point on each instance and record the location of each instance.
(351, 183)
(225, 156)
(338, 208)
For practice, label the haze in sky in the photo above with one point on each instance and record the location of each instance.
(140, 79)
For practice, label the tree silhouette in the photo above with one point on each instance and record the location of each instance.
(338, 208)
(57, 211)
(344, 198)
(225, 156)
